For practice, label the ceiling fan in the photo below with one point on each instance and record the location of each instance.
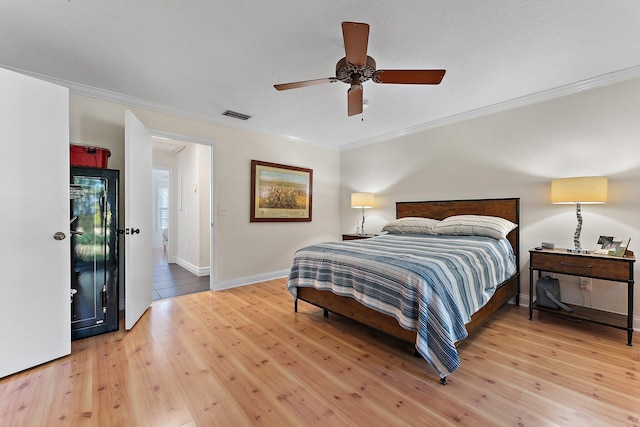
(357, 67)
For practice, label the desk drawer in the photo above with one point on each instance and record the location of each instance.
(580, 265)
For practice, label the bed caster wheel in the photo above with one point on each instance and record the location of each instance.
(443, 381)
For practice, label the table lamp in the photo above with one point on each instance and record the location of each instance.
(364, 201)
(587, 190)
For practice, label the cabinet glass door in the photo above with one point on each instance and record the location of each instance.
(93, 252)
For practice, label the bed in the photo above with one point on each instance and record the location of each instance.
(439, 351)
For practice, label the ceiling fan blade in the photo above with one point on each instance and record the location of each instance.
(416, 77)
(354, 100)
(356, 39)
(295, 85)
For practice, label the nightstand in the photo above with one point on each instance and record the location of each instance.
(604, 267)
(357, 236)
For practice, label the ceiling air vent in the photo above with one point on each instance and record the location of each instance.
(236, 115)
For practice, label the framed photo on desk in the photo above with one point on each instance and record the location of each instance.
(610, 245)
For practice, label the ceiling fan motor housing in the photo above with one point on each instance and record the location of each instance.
(345, 71)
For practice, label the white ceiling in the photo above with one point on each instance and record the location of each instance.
(200, 58)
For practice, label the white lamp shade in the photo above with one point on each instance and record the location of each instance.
(590, 189)
(361, 200)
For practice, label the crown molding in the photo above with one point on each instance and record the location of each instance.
(570, 89)
(119, 98)
(599, 81)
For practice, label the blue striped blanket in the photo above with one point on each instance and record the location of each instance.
(430, 284)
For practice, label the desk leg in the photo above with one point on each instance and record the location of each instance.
(530, 294)
(630, 306)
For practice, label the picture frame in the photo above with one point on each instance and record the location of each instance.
(280, 193)
(610, 245)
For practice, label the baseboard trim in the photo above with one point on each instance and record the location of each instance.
(198, 271)
(249, 280)
(235, 283)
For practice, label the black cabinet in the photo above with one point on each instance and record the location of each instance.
(94, 251)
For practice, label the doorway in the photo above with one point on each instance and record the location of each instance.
(182, 227)
(161, 211)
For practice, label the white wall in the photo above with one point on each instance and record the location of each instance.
(517, 153)
(188, 214)
(193, 193)
(245, 252)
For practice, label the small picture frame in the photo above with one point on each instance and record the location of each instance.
(280, 193)
(610, 245)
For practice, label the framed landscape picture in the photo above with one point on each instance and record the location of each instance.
(280, 193)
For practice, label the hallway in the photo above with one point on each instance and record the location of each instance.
(171, 280)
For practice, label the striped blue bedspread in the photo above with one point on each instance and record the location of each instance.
(430, 284)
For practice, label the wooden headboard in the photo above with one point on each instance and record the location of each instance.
(440, 209)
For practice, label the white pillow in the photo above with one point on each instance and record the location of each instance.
(475, 225)
(411, 225)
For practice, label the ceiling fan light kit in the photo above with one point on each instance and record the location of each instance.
(357, 67)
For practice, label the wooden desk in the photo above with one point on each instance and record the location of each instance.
(604, 267)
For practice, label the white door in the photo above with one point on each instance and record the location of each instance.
(138, 292)
(35, 303)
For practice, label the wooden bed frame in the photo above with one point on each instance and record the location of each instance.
(349, 307)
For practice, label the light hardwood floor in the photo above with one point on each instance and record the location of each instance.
(242, 357)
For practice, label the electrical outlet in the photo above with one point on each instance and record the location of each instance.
(585, 283)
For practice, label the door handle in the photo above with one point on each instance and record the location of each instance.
(59, 235)
(77, 232)
(129, 231)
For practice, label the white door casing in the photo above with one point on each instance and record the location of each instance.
(35, 303)
(138, 219)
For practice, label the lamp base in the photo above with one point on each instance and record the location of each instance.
(578, 251)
